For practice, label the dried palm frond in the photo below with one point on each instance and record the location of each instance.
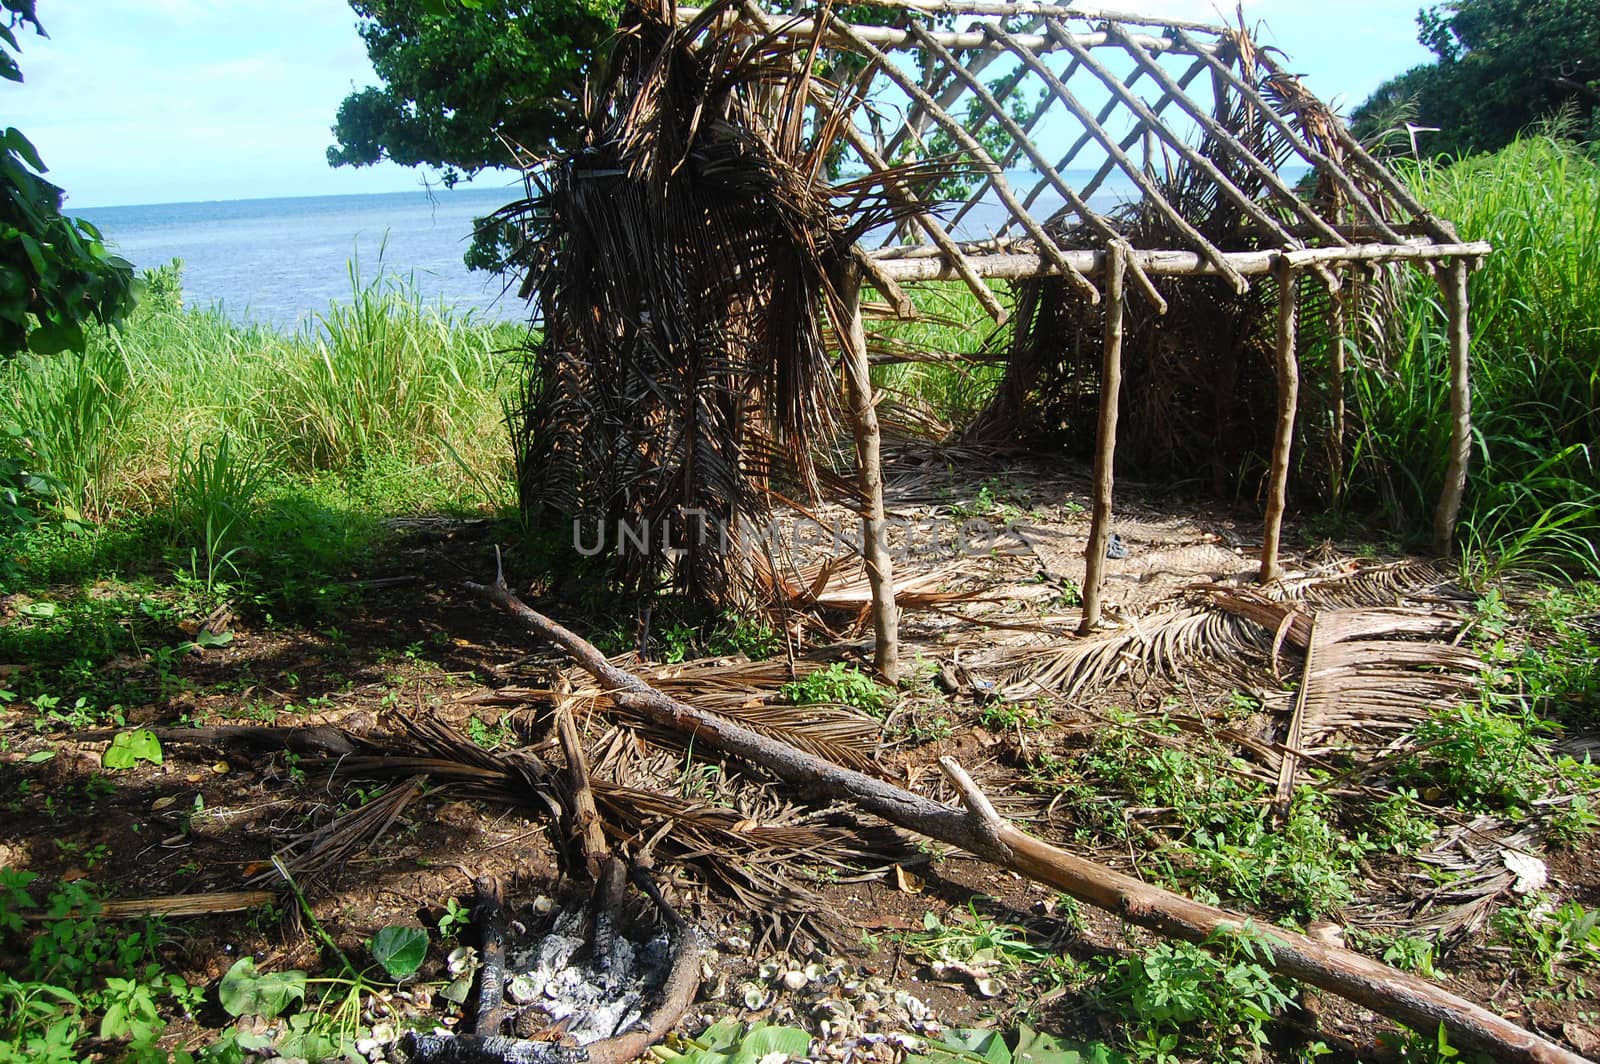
(1384, 584)
(1369, 677)
(1473, 863)
(1159, 644)
(750, 843)
(683, 260)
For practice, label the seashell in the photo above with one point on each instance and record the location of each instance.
(736, 943)
(815, 971)
(988, 987)
(458, 990)
(914, 1006)
(795, 980)
(383, 1033)
(543, 905)
(769, 970)
(461, 960)
(523, 988)
(754, 995)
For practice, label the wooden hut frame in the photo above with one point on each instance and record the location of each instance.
(928, 58)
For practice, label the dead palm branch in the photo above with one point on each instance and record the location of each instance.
(682, 261)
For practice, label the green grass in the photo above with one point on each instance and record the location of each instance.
(1533, 498)
(227, 444)
(954, 322)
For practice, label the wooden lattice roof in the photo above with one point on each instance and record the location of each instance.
(1049, 105)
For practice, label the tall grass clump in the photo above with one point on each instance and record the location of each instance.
(1533, 497)
(948, 393)
(384, 372)
(71, 406)
(214, 490)
(190, 418)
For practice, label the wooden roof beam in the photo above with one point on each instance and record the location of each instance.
(1151, 122)
(958, 133)
(953, 92)
(1093, 184)
(1020, 137)
(1307, 152)
(1164, 263)
(1209, 123)
(1436, 228)
(893, 38)
(1071, 103)
(952, 254)
(1039, 111)
(1035, 7)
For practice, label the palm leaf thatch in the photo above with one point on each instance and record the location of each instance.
(1198, 389)
(682, 261)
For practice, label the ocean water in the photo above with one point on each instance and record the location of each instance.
(279, 262)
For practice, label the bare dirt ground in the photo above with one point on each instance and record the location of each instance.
(993, 563)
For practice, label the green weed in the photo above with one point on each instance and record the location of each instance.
(1184, 1002)
(82, 979)
(839, 684)
(1543, 936)
(214, 490)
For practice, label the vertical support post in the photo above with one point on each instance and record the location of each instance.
(869, 467)
(1105, 446)
(1453, 279)
(1338, 329)
(1288, 399)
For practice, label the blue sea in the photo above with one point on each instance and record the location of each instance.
(278, 262)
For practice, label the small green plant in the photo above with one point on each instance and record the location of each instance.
(1544, 936)
(839, 684)
(214, 490)
(456, 918)
(1480, 756)
(973, 937)
(1412, 954)
(1182, 1001)
(497, 737)
(755, 639)
(76, 968)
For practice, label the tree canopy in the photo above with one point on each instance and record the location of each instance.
(460, 75)
(55, 272)
(1501, 66)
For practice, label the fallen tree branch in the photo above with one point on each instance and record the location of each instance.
(977, 829)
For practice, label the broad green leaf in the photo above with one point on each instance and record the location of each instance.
(971, 1046)
(211, 640)
(763, 1041)
(24, 147)
(1036, 1047)
(247, 992)
(400, 950)
(130, 747)
(39, 757)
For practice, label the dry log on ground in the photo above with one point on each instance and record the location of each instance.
(977, 829)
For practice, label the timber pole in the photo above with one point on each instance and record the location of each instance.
(1288, 399)
(869, 466)
(1105, 446)
(1453, 279)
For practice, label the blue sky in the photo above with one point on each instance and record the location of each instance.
(154, 101)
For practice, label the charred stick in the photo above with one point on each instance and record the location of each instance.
(490, 916)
